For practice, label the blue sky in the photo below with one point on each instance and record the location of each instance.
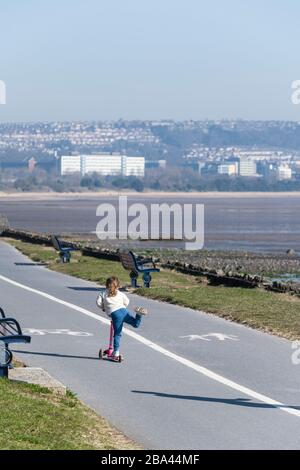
(149, 59)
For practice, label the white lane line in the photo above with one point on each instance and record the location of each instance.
(192, 365)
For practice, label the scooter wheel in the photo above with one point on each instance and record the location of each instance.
(101, 354)
(120, 358)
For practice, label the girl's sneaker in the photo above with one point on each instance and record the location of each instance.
(116, 357)
(141, 310)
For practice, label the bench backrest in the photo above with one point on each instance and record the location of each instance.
(10, 332)
(127, 259)
(56, 242)
(9, 327)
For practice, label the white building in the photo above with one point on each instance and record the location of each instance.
(70, 164)
(247, 168)
(106, 165)
(227, 169)
(133, 166)
(284, 172)
(103, 164)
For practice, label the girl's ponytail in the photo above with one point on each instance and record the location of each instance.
(112, 285)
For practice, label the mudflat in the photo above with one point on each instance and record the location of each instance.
(261, 222)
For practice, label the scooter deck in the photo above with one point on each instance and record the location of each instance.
(104, 355)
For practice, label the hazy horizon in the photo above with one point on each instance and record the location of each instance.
(148, 120)
(92, 60)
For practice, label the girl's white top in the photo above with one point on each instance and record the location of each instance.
(113, 303)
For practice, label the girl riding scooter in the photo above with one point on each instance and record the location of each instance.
(114, 303)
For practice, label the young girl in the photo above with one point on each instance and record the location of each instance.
(114, 303)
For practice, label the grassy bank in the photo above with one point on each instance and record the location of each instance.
(34, 418)
(276, 313)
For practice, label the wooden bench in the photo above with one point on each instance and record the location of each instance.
(137, 266)
(64, 251)
(10, 333)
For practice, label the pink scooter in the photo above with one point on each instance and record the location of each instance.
(107, 353)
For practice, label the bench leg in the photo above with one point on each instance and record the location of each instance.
(5, 359)
(133, 279)
(65, 257)
(3, 372)
(147, 279)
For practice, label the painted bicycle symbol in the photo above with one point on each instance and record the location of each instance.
(38, 332)
(211, 336)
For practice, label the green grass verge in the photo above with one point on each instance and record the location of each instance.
(275, 313)
(34, 418)
(93, 269)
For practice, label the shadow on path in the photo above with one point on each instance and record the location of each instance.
(31, 264)
(68, 356)
(88, 289)
(94, 289)
(227, 401)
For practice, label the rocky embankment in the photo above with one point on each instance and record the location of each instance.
(229, 268)
(260, 264)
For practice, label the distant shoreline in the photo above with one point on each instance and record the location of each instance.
(101, 194)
